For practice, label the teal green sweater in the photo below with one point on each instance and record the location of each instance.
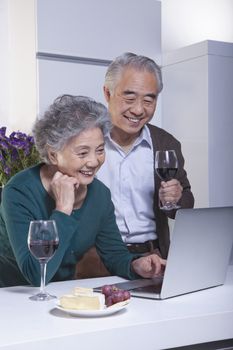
(24, 199)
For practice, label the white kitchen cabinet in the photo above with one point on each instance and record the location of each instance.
(197, 107)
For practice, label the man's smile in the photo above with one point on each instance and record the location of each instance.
(133, 119)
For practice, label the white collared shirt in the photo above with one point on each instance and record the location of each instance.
(130, 178)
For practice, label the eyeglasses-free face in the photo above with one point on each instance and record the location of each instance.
(133, 101)
(82, 156)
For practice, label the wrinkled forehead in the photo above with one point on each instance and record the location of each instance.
(133, 79)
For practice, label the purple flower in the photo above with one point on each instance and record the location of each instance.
(14, 154)
(1, 156)
(30, 139)
(7, 170)
(2, 131)
(4, 145)
(17, 152)
(17, 143)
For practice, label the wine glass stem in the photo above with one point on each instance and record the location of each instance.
(43, 266)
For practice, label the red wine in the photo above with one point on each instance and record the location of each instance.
(166, 174)
(43, 250)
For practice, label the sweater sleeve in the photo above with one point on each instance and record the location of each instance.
(162, 140)
(19, 207)
(187, 199)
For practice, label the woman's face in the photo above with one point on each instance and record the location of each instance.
(82, 156)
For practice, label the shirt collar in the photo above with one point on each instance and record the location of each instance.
(144, 137)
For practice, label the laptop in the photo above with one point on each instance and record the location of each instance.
(198, 256)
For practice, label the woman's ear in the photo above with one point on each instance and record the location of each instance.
(52, 155)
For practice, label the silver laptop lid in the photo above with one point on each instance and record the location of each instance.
(200, 250)
(198, 257)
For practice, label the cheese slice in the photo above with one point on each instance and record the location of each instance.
(83, 301)
(82, 290)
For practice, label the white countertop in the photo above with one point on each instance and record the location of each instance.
(203, 316)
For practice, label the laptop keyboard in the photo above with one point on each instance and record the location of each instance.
(153, 283)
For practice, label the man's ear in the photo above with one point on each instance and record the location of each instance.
(107, 94)
(52, 155)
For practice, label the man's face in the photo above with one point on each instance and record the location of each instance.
(133, 102)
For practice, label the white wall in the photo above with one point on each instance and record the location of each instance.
(185, 22)
(4, 49)
(17, 64)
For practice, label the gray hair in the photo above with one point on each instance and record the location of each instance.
(127, 60)
(67, 117)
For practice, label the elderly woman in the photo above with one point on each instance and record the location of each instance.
(70, 140)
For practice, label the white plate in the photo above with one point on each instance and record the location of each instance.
(96, 313)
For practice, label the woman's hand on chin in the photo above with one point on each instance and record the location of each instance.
(63, 189)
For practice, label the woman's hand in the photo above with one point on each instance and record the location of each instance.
(63, 189)
(149, 266)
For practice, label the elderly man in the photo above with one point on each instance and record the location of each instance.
(132, 85)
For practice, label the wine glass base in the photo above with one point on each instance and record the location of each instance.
(42, 297)
(170, 207)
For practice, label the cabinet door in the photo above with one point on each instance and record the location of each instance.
(220, 129)
(58, 78)
(197, 109)
(99, 28)
(185, 115)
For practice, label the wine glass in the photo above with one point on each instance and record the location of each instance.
(43, 241)
(166, 166)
